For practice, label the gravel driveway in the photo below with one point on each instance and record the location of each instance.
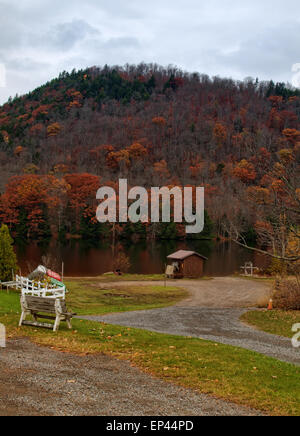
(211, 312)
(218, 325)
(39, 381)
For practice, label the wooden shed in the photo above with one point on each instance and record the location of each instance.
(185, 264)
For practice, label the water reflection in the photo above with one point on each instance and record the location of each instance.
(89, 259)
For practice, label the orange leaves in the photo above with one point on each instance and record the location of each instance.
(134, 152)
(286, 156)
(245, 171)
(77, 99)
(237, 139)
(100, 151)
(220, 134)
(293, 248)
(31, 193)
(291, 135)
(115, 159)
(161, 168)
(293, 99)
(37, 129)
(60, 169)
(275, 119)
(196, 167)
(278, 186)
(159, 121)
(41, 110)
(4, 119)
(276, 100)
(259, 195)
(82, 189)
(31, 190)
(74, 104)
(30, 169)
(23, 117)
(18, 150)
(264, 227)
(54, 129)
(137, 151)
(195, 170)
(5, 136)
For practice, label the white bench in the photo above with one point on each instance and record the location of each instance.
(38, 289)
(43, 308)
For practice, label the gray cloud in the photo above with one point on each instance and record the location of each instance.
(117, 43)
(65, 35)
(219, 37)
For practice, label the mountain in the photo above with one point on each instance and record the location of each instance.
(151, 125)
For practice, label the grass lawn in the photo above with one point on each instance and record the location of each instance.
(133, 278)
(89, 297)
(223, 371)
(277, 322)
(110, 277)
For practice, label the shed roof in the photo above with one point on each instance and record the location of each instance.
(184, 254)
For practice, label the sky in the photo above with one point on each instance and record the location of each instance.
(226, 38)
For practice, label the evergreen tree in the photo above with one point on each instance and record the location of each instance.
(8, 259)
(208, 226)
(207, 232)
(93, 231)
(22, 226)
(167, 231)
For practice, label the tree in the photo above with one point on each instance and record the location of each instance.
(220, 134)
(82, 193)
(121, 261)
(8, 259)
(275, 210)
(245, 171)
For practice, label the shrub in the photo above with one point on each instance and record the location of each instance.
(287, 297)
(121, 261)
(8, 260)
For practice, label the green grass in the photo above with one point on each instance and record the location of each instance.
(277, 322)
(133, 278)
(89, 297)
(255, 278)
(231, 373)
(110, 277)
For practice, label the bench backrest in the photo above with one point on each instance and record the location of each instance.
(40, 304)
(38, 289)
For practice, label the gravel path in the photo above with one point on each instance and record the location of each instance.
(39, 381)
(218, 325)
(211, 312)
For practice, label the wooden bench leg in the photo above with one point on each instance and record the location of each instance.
(68, 320)
(56, 324)
(23, 317)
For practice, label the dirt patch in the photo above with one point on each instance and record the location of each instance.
(220, 292)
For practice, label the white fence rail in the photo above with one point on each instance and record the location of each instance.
(38, 289)
(249, 269)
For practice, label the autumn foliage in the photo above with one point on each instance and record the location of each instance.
(153, 126)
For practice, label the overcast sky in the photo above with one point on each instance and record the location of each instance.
(233, 38)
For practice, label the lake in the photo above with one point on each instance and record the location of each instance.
(147, 257)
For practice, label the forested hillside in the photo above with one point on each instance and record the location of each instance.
(154, 126)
